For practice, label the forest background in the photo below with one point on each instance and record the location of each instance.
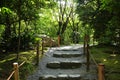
(22, 21)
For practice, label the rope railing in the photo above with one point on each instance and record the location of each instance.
(15, 72)
(100, 66)
(93, 59)
(11, 75)
(21, 64)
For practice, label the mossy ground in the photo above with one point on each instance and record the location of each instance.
(7, 60)
(102, 54)
(111, 60)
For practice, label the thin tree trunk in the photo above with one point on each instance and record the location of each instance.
(18, 40)
(19, 35)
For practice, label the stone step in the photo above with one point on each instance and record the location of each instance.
(64, 64)
(68, 54)
(61, 77)
(69, 48)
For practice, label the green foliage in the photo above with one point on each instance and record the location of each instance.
(25, 12)
(31, 17)
(1, 31)
(27, 68)
(23, 73)
(7, 16)
(10, 44)
(103, 17)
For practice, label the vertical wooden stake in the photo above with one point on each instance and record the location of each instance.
(84, 45)
(16, 74)
(42, 46)
(58, 40)
(88, 59)
(101, 71)
(37, 55)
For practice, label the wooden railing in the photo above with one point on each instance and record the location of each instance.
(100, 66)
(15, 72)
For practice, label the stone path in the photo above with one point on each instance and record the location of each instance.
(64, 63)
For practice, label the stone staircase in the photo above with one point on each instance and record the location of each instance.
(64, 63)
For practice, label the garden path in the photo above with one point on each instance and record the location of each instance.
(64, 63)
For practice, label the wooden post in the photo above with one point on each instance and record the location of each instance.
(88, 58)
(16, 74)
(58, 40)
(85, 44)
(84, 47)
(42, 46)
(101, 71)
(37, 54)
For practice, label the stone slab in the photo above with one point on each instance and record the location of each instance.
(69, 48)
(61, 77)
(74, 77)
(48, 77)
(70, 64)
(64, 64)
(54, 64)
(67, 55)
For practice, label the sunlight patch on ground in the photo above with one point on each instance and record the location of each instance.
(104, 60)
(113, 55)
(27, 52)
(115, 62)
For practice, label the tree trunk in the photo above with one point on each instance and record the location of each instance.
(19, 35)
(18, 40)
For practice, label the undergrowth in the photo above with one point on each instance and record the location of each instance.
(7, 60)
(111, 60)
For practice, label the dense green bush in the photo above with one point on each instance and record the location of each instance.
(11, 44)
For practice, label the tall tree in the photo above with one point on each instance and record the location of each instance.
(63, 17)
(74, 23)
(103, 16)
(12, 13)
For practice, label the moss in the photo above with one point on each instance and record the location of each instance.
(111, 61)
(113, 76)
(7, 60)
